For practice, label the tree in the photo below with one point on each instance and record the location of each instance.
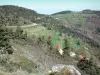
(49, 43)
(66, 44)
(5, 47)
(18, 33)
(49, 40)
(25, 35)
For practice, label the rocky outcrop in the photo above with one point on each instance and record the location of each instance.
(61, 69)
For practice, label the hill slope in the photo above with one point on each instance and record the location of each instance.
(14, 15)
(35, 51)
(62, 12)
(85, 23)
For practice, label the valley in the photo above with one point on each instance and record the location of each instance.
(32, 43)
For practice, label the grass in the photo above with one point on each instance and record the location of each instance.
(39, 31)
(2, 73)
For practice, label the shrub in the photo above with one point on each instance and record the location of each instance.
(98, 30)
(40, 39)
(88, 66)
(4, 41)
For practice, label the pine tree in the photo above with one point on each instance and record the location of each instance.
(66, 44)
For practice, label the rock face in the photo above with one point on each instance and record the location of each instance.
(61, 69)
(73, 70)
(57, 68)
(61, 51)
(72, 54)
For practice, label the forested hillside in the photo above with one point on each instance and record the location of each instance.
(62, 12)
(14, 15)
